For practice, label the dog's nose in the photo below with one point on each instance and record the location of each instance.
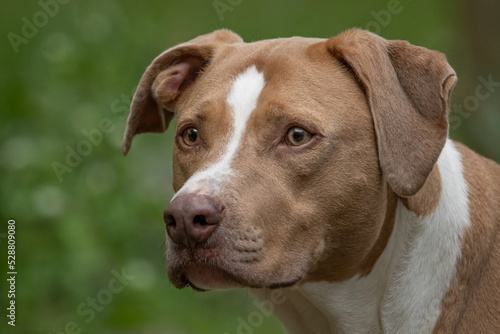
(191, 219)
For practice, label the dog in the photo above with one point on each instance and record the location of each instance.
(319, 173)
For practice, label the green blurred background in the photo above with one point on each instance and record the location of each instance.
(80, 67)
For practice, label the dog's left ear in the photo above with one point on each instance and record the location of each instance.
(407, 89)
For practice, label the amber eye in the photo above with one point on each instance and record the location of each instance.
(190, 136)
(297, 136)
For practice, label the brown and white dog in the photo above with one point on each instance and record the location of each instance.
(319, 171)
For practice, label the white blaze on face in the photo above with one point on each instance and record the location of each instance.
(242, 100)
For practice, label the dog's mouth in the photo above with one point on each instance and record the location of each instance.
(204, 277)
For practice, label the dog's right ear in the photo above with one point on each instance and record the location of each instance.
(162, 85)
(408, 91)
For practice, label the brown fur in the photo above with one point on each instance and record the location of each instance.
(425, 201)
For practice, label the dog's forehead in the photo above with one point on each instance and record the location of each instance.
(269, 56)
(294, 73)
(227, 65)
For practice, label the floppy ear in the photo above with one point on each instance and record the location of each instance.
(407, 89)
(162, 85)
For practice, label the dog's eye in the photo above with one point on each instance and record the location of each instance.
(297, 136)
(190, 136)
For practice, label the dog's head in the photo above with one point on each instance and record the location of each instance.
(289, 153)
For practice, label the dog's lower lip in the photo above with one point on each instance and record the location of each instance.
(206, 277)
(203, 273)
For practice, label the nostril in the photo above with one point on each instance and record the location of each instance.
(169, 220)
(200, 219)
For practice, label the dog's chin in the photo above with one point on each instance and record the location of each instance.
(202, 277)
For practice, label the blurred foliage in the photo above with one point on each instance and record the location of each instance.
(106, 214)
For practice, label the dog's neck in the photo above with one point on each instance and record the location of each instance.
(403, 291)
